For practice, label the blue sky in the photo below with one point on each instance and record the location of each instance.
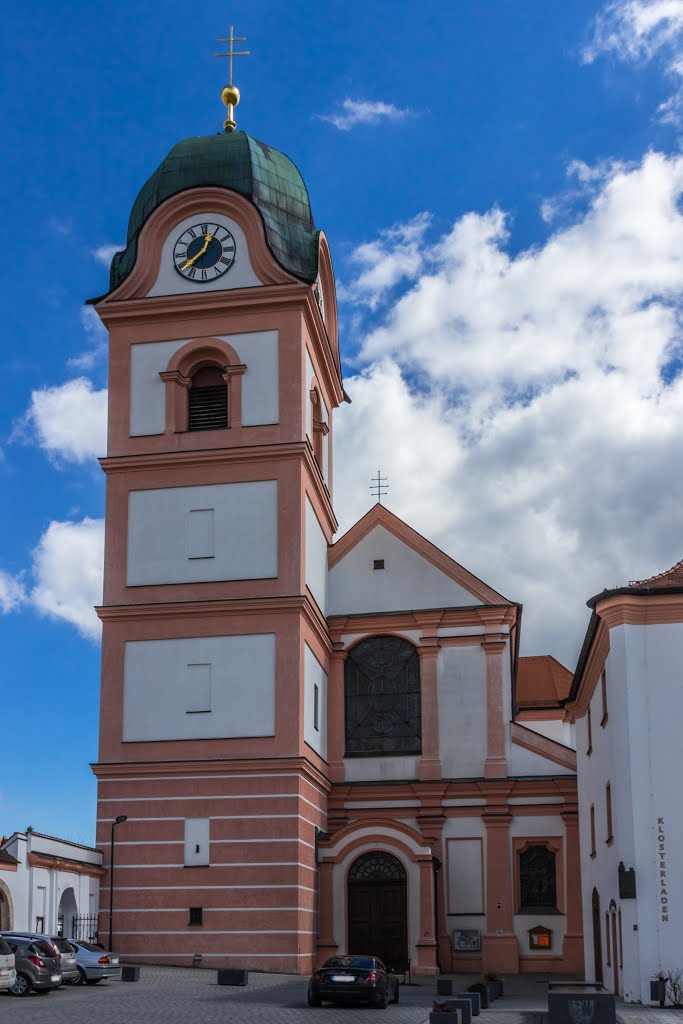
(500, 183)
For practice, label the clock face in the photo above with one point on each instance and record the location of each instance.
(204, 252)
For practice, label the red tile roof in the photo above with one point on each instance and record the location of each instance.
(673, 577)
(541, 682)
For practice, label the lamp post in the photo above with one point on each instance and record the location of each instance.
(121, 818)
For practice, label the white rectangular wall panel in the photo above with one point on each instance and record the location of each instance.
(200, 531)
(461, 678)
(196, 842)
(244, 525)
(199, 688)
(257, 350)
(157, 684)
(315, 692)
(316, 558)
(465, 876)
(147, 389)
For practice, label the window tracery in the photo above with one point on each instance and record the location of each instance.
(382, 698)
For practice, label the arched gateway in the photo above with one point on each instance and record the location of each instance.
(378, 908)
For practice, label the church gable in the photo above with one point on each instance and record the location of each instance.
(381, 564)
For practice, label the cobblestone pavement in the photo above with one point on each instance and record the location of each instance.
(634, 1014)
(174, 995)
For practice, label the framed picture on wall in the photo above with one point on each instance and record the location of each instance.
(466, 940)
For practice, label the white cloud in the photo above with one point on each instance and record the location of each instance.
(67, 569)
(642, 31)
(12, 592)
(397, 254)
(355, 112)
(70, 420)
(104, 254)
(97, 339)
(528, 409)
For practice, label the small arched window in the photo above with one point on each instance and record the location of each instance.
(207, 400)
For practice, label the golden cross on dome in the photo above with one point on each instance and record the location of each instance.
(231, 94)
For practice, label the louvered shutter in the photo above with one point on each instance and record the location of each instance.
(207, 407)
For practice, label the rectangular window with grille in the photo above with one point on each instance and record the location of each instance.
(196, 915)
(207, 400)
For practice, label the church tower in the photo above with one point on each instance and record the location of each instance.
(224, 374)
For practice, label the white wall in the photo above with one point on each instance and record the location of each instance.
(461, 677)
(315, 676)
(159, 699)
(316, 558)
(240, 275)
(37, 891)
(638, 752)
(408, 580)
(258, 350)
(161, 533)
(554, 729)
(380, 769)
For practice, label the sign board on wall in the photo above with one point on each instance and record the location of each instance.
(466, 940)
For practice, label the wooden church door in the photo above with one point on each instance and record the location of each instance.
(378, 909)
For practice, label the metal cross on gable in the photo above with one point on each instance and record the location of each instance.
(379, 486)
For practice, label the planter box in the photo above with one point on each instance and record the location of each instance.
(474, 999)
(464, 1006)
(492, 989)
(438, 1017)
(230, 977)
(130, 972)
(483, 991)
(444, 987)
(580, 1004)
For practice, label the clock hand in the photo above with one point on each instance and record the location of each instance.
(207, 239)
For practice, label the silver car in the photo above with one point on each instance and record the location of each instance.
(38, 969)
(94, 963)
(61, 948)
(8, 974)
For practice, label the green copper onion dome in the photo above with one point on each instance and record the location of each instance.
(235, 161)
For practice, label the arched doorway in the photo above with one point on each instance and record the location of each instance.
(5, 909)
(597, 936)
(378, 908)
(66, 912)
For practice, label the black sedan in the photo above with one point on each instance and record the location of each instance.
(353, 979)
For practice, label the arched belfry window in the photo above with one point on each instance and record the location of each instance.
(207, 400)
(382, 698)
(377, 866)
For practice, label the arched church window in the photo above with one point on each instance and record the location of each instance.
(207, 400)
(537, 882)
(377, 866)
(382, 698)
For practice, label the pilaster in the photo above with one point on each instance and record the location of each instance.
(430, 762)
(495, 766)
(336, 715)
(501, 949)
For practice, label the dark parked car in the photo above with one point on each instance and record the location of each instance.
(37, 966)
(353, 979)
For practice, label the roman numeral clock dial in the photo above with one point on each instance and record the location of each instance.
(204, 252)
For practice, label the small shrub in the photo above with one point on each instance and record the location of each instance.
(438, 1007)
(674, 987)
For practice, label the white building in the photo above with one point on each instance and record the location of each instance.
(48, 885)
(627, 702)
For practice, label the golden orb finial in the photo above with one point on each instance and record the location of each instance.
(231, 94)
